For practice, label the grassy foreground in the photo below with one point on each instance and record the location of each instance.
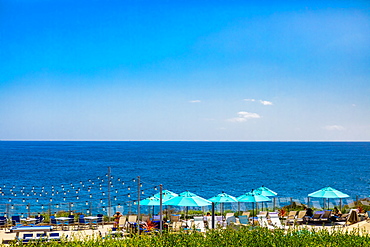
(227, 237)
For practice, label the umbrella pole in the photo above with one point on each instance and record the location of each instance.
(213, 215)
(340, 204)
(160, 209)
(253, 212)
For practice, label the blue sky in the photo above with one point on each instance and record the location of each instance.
(184, 70)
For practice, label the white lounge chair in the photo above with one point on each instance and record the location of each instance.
(199, 224)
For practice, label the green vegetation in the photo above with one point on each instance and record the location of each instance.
(227, 237)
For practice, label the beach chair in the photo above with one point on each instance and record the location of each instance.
(156, 218)
(301, 217)
(199, 224)
(246, 213)
(131, 222)
(219, 221)
(145, 218)
(291, 217)
(175, 218)
(263, 213)
(55, 223)
(82, 223)
(54, 236)
(263, 222)
(243, 220)
(122, 222)
(39, 219)
(100, 220)
(70, 222)
(229, 215)
(3, 222)
(316, 216)
(325, 217)
(275, 221)
(41, 237)
(176, 226)
(27, 237)
(230, 220)
(189, 225)
(342, 220)
(16, 220)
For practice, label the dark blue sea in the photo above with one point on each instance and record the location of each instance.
(40, 172)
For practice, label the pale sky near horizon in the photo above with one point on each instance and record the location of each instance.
(184, 70)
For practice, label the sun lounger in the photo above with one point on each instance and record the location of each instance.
(246, 213)
(243, 220)
(145, 218)
(291, 217)
(326, 216)
(263, 213)
(230, 220)
(122, 222)
(131, 222)
(54, 236)
(199, 224)
(176, 226)
(275, 221)
(263, 222)
(301, 217)
(316, 216)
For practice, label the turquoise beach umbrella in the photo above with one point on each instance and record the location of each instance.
(223, 197)
(266, 191)
(253, 197)
(329, 192)
(150, 201)
(188, 199)
(166, 195)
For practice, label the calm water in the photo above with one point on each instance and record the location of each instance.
(292, 169)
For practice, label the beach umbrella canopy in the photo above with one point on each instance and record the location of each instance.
(150, 201)
(166, 195)
(188, 199)
(328, 192)
(222, 198)
(253, 196)
(266, 191)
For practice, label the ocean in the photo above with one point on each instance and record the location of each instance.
(50, 172)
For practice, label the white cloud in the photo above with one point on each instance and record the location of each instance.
(195, 101)
(252, 100)
(334, 127)
(265, 102)
(244, 116)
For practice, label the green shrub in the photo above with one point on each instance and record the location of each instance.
(227, 237)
